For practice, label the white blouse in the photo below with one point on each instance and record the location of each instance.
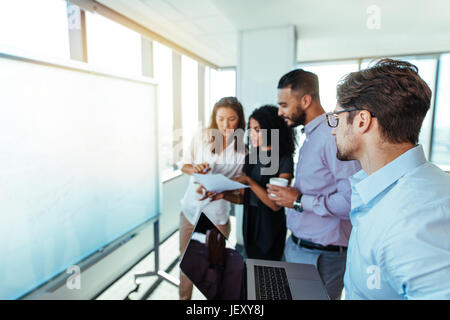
(229, 163)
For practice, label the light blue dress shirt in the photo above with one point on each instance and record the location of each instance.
(399, 247)
(323, 181)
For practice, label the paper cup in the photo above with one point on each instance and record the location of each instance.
(278, 182)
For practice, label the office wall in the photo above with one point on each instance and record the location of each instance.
(264, 55)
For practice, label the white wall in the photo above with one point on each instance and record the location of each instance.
(264, 55)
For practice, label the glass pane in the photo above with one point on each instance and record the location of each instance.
(441, 134)
(162, 60)
(208, 105)
(112, 46)
(427, 71)
(189, 99)
(329, 75)
(35, 26)
(223, 84)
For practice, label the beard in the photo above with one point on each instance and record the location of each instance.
(343, 154)
(297, 119)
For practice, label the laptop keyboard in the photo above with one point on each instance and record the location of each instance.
(271, 283)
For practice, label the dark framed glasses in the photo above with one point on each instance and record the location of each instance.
(333, 119)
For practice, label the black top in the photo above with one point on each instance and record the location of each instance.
(264, 230)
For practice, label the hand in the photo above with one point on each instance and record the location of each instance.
(202, 168)
(215, 242)
(242, 179)
(217, 196)
(205, 193)
(284, 196)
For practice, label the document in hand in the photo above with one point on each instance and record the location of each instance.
(217, 182)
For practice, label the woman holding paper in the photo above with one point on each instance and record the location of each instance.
(264, 222)
(217, 149)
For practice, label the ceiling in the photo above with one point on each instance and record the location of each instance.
(210, 28)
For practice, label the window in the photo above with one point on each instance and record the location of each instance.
(189, 99)
(223, 84)
(112, 46)
(427, 71)
(218, 84)
(207, 96)
(162, 67)
(38, 27)
(441, 131)
(329, 75)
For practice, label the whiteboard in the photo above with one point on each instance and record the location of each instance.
(78, 167)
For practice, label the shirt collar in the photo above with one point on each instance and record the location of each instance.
(313, 124)
(371, 186)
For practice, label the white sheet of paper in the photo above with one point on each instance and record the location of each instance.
(217, 182)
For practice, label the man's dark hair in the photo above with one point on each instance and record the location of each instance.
(394, 92)
(301, 81)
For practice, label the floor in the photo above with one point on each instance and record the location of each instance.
(150, 288)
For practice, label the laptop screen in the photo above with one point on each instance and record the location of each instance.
(210, 262)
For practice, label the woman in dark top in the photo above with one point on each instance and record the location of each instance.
(264, 222)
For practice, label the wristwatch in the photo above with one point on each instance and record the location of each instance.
(297, 205)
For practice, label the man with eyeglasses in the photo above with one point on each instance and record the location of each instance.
(319, 203)
(399, 246)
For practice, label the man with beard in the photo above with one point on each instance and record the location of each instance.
(319, 203)
(399, 246)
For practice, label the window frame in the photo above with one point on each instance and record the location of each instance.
(431, 55)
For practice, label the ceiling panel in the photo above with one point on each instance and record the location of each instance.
(215, 24)
(210, 27)
(191, 27)
(164, 9)
(192, 9)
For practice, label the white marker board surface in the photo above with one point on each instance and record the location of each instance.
(77, 167)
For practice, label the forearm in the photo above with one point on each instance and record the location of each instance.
(187, 169)
(234, 197)
(337, 205)
(263, 195)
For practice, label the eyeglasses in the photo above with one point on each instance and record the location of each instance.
(333, 119)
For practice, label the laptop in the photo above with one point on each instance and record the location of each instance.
(220, 272)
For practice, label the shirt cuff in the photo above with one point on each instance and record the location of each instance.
(307, 202)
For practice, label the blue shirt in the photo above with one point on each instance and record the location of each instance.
(399, 247)
(323, 181)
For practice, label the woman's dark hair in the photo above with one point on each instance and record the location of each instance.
(394, 92)
(268, 118)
